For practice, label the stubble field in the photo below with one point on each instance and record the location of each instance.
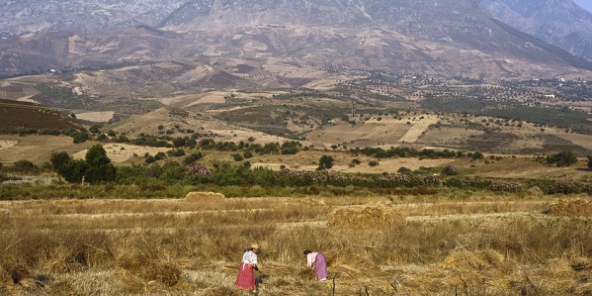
(447, 244)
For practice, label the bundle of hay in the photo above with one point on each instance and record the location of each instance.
(203, 196)
(143, 273)
(366, 217)
(571, 207)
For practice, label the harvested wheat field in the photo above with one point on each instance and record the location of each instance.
(496, 245)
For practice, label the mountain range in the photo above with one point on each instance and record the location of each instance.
(557, 22)
(456, 38)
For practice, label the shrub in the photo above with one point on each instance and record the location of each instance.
(450, 170)
(404, 170)
(325, 162)
(561, 159)
(373, 163)
(24, 165)
(192, 158)
(589, 162)
(176, 152)
(237, 157)
(477, 155)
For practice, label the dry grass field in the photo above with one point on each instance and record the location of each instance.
(399, 245)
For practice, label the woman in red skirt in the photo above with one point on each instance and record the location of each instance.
(246, 276)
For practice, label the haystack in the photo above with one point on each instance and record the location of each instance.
(571, 207)
(365, 217)
(203, 196)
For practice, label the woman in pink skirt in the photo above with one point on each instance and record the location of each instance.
(246, 276)
(318, 262)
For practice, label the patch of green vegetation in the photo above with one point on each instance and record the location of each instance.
(562, 118)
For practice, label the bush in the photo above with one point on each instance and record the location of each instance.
(562, 159)
(373, 163)
(477, 155)
(450, 170)
(237, 157)
(589, 162)
(191, 159)
(176, 152)
(404, 170)
(24, 165)
(325, 162)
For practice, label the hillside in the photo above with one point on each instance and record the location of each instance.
(16, 116)
(454, 38)
(561, 23)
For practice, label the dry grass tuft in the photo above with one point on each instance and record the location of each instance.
(224, 291)
(203, 196)
(5, 281)
(365, 217)
(142, 273)
(571, 207)
(16, 272)
(62, 289)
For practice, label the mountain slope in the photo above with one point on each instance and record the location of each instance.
(558, 22)
(448, 37)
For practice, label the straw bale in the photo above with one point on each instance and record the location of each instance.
(571, 207)
(203, 196)
(365, 217)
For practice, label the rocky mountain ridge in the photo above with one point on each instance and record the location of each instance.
(433, 36)
(557, 22)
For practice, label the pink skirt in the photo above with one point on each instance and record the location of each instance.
(246, 278)
(320, 267)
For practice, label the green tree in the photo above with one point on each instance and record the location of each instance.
(59, 161)
(325, 162)
(75, 171)
(589, 162)
(100, 168)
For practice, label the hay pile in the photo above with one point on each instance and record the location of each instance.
(365, 217)
(571, 207)
(203, 196)
(142, 273)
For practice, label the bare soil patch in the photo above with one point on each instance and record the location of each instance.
(118, 152)
(96, 116)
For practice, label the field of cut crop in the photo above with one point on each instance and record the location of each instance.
(447, 244)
